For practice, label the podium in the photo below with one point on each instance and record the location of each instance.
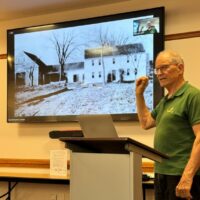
(107, 168)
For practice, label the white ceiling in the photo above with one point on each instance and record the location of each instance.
(12, 9)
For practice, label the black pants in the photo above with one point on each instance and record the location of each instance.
(165, 187)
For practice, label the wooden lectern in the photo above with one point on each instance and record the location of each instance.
(107, 168)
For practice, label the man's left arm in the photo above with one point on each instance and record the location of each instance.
(184, 186)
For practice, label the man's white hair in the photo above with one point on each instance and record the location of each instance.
(174, 57)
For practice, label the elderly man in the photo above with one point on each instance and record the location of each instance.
(150, 28)
(177, 122)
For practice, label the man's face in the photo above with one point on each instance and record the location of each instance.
(148, 24)
(167, 72)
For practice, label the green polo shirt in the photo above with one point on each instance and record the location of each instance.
(174, 135)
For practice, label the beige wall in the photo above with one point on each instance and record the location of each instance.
(32, 140)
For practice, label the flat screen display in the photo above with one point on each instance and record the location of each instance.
(87, 66)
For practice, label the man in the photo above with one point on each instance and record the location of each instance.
(150, 28)
(177, 122)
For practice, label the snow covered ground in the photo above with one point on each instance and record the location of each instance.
(53, 99)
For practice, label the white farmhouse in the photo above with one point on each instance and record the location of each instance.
(115, 64)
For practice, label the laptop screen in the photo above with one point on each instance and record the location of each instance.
(97, 126)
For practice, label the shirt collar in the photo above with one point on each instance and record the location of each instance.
(180, 91)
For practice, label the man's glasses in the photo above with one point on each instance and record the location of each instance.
(162, 68)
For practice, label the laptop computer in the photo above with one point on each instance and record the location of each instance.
(97, 126)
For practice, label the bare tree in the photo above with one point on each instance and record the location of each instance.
(105, 38)
(64, 47)
(31, 75)
(135, 52)
(108, 43)
(23, 64)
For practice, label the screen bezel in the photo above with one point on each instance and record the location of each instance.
(158, 46)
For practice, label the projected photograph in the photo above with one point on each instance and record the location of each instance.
(82, 69)
(146, 26)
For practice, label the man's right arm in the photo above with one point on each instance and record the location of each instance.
(144, 115)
